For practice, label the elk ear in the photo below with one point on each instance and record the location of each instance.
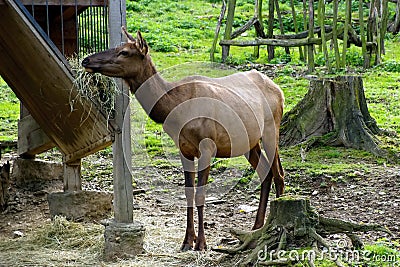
(141, 44)
(129, 37)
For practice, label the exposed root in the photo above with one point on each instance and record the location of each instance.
(293, 222)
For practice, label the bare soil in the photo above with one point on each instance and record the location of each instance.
(372, 197)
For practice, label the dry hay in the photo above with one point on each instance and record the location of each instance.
(64, 243)
(60, 243)
(98, 89)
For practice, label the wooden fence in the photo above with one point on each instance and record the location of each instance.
(319, 27)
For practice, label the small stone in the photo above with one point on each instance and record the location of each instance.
(18, 234)
(247, 208)
(314, 193)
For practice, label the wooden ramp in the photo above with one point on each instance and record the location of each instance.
(38, 74)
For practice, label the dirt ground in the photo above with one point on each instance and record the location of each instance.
(372, 197)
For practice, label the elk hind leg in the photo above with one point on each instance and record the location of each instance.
(259, 163)
(270, 141)
(207, 149)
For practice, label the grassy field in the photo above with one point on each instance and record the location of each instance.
(179, 32)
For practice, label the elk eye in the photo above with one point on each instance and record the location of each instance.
(124, 53)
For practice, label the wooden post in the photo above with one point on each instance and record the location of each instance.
(270, 33)
(278, 13)
(305, 27)
(384, 23)
(72, 176)
(296, 29)
(311, 66)
(334, 33)
(258, 15)
(123, 237)
(346, 31)
(362, 32)
(217, 29)
(378, 32)
(123, 190)
(321, 18)
(371, 30)
(228, 28)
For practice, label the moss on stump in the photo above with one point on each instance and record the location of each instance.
(333, 112)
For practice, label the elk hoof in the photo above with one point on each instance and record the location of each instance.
(186, 247)
(200, 246)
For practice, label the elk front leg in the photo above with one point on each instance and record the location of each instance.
(190, 236)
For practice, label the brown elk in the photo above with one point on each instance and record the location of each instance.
(206, 117)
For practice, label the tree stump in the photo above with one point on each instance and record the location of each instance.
(333, 112)
(293, 223)
(4, 184)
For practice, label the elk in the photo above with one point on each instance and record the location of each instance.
(206, 117)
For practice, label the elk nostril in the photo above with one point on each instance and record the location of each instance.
(85, 61)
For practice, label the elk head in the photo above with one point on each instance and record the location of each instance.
(128, 61)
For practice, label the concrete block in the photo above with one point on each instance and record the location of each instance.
(81, 205)
(123, 240)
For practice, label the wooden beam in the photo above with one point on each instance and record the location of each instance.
(31, 138)
(273, 42)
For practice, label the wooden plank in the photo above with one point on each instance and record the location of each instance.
(273, 42)
(122, 156)
(31, 138)
(60, 2)
(42, 80)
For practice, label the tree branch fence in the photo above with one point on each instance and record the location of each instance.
(365, 28)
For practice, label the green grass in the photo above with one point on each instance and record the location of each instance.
(176, 41)
(179, 32)
(9, 113)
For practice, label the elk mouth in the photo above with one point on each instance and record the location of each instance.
(92, 69)
(89, 70)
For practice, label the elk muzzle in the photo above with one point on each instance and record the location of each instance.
(86, 65)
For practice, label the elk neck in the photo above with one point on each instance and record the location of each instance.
(151, 91)
(146, 71)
